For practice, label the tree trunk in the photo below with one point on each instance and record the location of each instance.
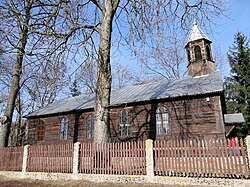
(104, 79)
(14, 87)
(19, 121)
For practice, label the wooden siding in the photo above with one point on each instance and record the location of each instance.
(52, 129)
(188, 118)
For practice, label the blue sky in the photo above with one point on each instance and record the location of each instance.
(222, 37)
(239, 20)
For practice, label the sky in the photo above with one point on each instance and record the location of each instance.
(238, 20)
(222, 36)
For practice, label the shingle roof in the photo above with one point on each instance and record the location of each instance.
(196, 34)
(234, 118)
(154, 90)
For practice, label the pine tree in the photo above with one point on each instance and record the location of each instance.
(74, 89)
(237, 90)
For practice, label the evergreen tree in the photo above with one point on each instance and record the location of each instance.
(238, 83)
(74, 89)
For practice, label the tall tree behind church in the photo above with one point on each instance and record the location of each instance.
(238, 83)
(24, 25)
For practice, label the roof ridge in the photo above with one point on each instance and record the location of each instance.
(186, 86)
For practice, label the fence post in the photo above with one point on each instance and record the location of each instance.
(248, 149)
(25, 158)
(149, 158)
(76, 158)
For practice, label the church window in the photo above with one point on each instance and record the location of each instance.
(208, 53)
(162, 121)
(197, 52)
(64, 126)
(188, 55)
(40, 131)
(91, 122)
(124, 129)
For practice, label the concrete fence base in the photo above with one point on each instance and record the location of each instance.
(215, 182)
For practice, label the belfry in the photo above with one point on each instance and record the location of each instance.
(199, 53)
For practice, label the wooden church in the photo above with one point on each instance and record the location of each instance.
(191, 107)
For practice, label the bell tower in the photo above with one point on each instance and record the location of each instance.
(199, 53)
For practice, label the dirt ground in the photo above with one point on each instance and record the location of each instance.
(4, 182)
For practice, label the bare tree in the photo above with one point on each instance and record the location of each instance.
(4, 84)
(165, 57)
(139, 23)
(19, 20)
(20, 46)
(147, 20)
(44, 81)
(219, 58)
(124, 76)
(86, 76)
(86, 27)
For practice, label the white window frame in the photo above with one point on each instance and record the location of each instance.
(64, 128)
(124, 127)
(90, 126)
(162, 121)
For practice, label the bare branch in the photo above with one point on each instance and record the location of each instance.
(98, 5)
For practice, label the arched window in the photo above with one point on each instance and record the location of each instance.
(188, 55)
(208, 53)
(91, 122)
(197, 52)
(40, 131)
(64, 126)
(124, 129)
(162, 124)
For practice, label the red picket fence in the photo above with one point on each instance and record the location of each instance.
(11, 158)
(113, 158)
(204, 158)
(193, 158)
(51, 158)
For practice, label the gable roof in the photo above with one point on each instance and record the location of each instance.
(162, 89)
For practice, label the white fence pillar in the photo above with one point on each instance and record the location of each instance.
(248, 149)
(25, 157)
(149, 158)
(76, 158)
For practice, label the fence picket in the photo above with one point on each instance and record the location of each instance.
(219, 157)
(189, 158)
(238, 155)
(223, 167)
(235, 158)
(228, 171)
(174, 156)
(207, 158)
(192, 153)
(11, 158)
(245, 165)
(182, 157)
